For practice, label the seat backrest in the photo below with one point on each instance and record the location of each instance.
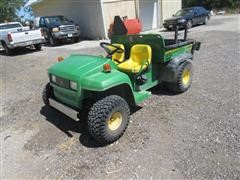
(118, 56)
(141, 53)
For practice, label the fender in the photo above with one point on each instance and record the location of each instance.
(102, 81)
(168, 71)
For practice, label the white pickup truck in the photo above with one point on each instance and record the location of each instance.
(14, 35)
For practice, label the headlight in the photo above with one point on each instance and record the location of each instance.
(55, 29)
(73, 85)
(181, 20)
(53, 78)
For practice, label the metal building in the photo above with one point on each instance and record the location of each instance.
(95, 16)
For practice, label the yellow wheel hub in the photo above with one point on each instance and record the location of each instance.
(186, 77)
(115, 121)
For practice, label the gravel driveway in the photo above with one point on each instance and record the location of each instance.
(192, 135)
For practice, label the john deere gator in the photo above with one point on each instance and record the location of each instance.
(109, 86)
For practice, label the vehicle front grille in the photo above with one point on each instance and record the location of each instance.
(62, 82)
(67, 28)
(171, 22)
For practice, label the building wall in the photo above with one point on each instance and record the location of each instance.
(95, 16)
(170, 7)
(87, 14)
(149, 13)
(113, 8)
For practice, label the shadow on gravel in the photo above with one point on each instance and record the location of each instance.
(63, 43)
(162, 90)
(59, 44)
(66, 124)
(20, 51)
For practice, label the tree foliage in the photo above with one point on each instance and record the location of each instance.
(9, 9)
(213, 4)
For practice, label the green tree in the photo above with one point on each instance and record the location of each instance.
(213, 4)
(9, 9)
(234, 4)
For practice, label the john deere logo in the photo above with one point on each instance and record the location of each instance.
(61, 82)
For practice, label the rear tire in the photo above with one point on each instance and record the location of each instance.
(108, 119)
(8, 51)
(38, 47)
(47, 93)
(206, 20)
(184, 78)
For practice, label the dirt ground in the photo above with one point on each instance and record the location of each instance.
(193, 135)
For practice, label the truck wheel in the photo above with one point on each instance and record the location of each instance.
(184, 78)
(108, 119)
(47, 93)
(8, 51)
(189, 24)
(169, 29)
(52, 41)
(38, 47)
(76, 39)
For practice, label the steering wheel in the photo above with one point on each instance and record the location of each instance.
(109, 51)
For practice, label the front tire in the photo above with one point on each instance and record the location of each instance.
(108, 119)
(47, 93)
(184, 78)
(52, 41)
(168, 29)
(76, 39)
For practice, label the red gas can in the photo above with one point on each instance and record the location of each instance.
(134, 26)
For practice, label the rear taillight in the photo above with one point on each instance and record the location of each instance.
(9, 36)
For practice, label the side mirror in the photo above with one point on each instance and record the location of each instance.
(173, 15)
(71, 21)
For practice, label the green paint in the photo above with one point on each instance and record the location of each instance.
(87, 71)
(170, 54)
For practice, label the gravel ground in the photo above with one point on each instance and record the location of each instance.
(193, 135)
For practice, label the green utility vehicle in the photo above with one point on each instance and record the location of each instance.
(109, 86)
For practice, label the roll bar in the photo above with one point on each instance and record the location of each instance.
(177, 25)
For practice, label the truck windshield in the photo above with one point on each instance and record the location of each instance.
(184, 12)
(56, 20)
(10, 26)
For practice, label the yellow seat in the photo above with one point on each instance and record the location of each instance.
(118, 57)
(140, 58)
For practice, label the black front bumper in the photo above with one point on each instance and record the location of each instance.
(172, 25)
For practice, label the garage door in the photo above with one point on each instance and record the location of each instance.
(148, 13)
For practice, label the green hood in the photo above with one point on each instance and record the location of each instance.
(78, 66)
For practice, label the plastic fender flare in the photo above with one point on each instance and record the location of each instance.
(168, 71)
(107, 83)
